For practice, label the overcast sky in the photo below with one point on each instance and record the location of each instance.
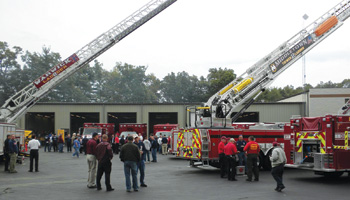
(190, 35)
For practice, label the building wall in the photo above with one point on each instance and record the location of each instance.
(327, 100)
(268, 112)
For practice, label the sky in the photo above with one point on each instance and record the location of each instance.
(190, 35)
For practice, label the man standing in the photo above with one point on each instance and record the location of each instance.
(222, 157)
(278, 160)
(47, 143)
(6, 153)
(13, 152)
(116, 141)
(76, 146)
(34, 145)
(130, 155)
(104, 156)
(54, 142)
(69, 143)
(252, 148)
(141, 165)
(147, 144)
(91, 160)
(122, 140)
(113, 143)
(230, 153)
(60, 144)
(154, 147)
(241, 154)
(164, 145)
(84, 142)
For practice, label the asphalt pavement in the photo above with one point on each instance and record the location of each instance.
(64, 177)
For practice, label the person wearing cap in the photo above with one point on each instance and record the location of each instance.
(130, 155)
(230, 153)
(252, 148)
(91, 160)
(222, 157)
(278, 160)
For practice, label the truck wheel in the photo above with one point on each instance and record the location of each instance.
(267, 164)
(260, 161)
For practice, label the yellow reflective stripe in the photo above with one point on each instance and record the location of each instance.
(322, 150)
(346, 139)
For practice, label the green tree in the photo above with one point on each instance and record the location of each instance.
(11, 79)
(219, 78)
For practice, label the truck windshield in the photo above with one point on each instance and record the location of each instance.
(90, 131)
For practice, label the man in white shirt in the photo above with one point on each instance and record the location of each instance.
(34, 145)
(278, 160)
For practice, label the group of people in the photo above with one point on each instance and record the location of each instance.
(11, 150)
(231, 151)
(100, 154)
(54, 142)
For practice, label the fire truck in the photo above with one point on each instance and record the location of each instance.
(17, 105)
(133, 127)
(100, 128)
(199, 142)
(164, 127)
(320, 144)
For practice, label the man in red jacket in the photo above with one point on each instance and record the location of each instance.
(104, 156)
(252, 149)
(222, 156)
(230, 153)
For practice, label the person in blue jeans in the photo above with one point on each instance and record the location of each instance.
(154, 147)
(130, 155)
(241, 154)
(141, 165)
(76, 146)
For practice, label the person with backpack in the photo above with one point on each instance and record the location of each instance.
(76, 146)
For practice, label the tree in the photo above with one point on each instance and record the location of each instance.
(219, 78)
(10, 71)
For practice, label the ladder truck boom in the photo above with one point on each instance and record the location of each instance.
(18, 104)
(345, 109)
(261, 75)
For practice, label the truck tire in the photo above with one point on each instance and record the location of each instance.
(267, 162)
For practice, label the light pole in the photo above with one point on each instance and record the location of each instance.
(305, 17)
(306, 113)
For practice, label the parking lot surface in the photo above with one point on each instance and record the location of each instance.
(64, 177)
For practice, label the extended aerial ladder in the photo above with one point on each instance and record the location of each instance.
(345, 109)
(248, 86)
(23, 100)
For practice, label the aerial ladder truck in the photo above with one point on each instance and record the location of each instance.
(215, 118)
(18, 104)
(248, 86)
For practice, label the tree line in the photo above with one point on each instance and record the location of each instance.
(125, 83)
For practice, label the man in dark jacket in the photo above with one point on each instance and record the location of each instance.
(6, 153)
(85, 140)
(54, 142)
(130, 155)
(13, 152)
(154, 147)
(141, 165)
(104, 156)
(164, 145)
(69, 143)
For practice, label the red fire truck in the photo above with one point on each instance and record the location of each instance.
(133, 127)
(164, 127)
(100, 128)
(319, 144)
(200, 145)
